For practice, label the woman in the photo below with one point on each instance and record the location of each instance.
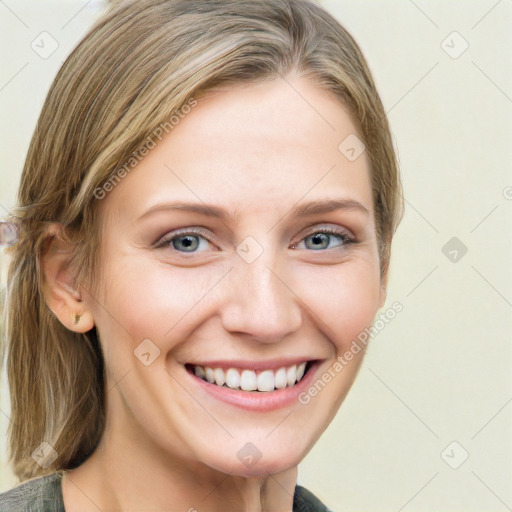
(149, 375)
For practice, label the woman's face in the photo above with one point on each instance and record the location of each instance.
(274, 275)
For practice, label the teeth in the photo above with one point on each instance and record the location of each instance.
(291, 375)
(300, 370)
(233, 379)
(280, 380)
(210, 377)
(266, 381)
(220, 378)
(199, 371)
(249, 380)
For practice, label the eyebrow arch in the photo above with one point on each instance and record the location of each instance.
(327, 206)
(304, 210)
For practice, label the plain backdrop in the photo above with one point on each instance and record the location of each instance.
(427, 425)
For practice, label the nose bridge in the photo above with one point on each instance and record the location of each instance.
(259, 303)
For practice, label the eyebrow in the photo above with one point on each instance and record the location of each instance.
(303, 210)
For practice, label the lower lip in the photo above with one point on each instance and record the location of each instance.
(258, 400)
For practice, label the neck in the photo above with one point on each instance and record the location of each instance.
(126, 474)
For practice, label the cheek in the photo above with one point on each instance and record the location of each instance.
(151, 300)
(344, 299)
(148, 299)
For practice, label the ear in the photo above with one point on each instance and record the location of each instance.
(59, 290)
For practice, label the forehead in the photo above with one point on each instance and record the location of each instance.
(256, 148)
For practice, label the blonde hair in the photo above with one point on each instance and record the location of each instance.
(141, 62)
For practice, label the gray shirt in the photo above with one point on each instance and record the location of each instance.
(44, 494)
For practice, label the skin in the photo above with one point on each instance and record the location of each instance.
(258, 151)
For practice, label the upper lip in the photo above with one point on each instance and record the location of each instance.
(273, 364)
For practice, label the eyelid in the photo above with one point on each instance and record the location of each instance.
(339, 230)
(165, 239)
(345, 234)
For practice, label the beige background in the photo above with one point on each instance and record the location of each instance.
(441, 370)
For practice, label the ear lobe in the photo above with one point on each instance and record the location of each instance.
(58, 287)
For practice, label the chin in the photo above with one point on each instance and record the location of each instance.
(249, 461)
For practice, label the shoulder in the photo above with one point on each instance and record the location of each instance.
(306, 501)
(42, 494)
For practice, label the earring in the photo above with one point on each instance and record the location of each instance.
(76, 319)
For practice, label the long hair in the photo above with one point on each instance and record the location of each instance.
(141, 62)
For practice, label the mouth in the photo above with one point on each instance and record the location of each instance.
(254, 386)
(252, 380)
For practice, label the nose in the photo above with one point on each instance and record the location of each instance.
(259, 303)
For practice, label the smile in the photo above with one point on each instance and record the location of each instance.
(252, 380)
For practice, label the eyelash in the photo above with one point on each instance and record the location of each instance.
(167, 239)
(345, 239)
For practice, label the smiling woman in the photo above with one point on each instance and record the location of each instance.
(199, 245)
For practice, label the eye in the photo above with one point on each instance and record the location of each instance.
(189, 240)
(194, 240)
(324, 238)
